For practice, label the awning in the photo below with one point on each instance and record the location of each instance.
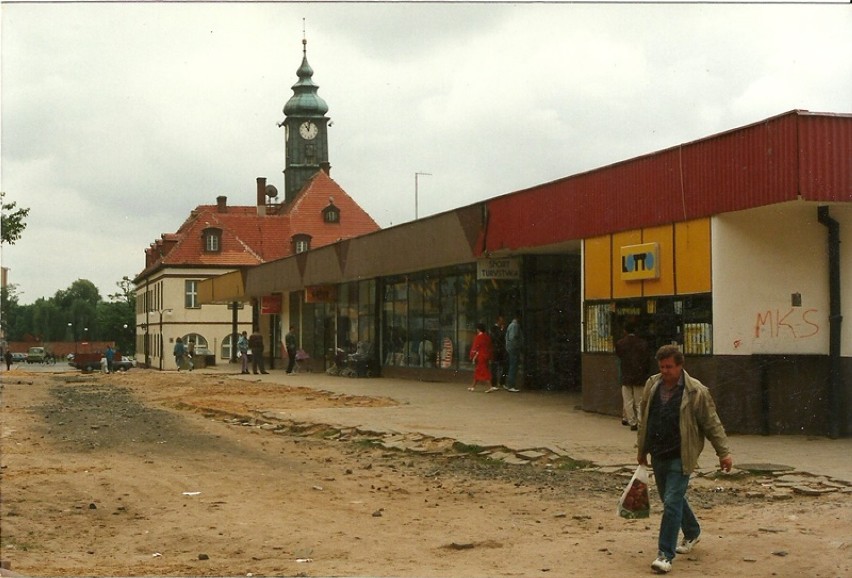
(225, 288)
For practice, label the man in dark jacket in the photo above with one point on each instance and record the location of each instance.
(291, 345)
(256, 346)
(632, 352)
(498, 345)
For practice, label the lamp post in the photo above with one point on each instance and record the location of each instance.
(161, 311)
(73, 336)
(416, 175)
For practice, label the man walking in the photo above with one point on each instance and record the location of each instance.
(290, 345)
(677, 414)
(632, 352)
(514, 345)
(256, 346)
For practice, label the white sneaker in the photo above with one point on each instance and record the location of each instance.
(492, 389)
(686, 546)
(662, 565)
(513, 389)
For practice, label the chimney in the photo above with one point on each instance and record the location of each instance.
(261, 196)
(325, 166)
(222, 204)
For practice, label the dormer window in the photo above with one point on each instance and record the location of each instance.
(331, 214)
(212, 240)
(301, 243)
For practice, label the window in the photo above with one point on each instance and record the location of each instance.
(301, 243)
(199, 341)
(191, 294)
(226, 346)
(331, 214)
(212, 240)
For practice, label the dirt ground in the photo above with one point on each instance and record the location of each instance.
(144, 473)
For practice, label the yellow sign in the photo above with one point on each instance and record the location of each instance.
(640, 262)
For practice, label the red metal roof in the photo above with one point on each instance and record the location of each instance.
(772, 161)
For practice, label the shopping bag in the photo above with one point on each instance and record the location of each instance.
(635, 501)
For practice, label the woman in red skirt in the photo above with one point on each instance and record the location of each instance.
(481, 353)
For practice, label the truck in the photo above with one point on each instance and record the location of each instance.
(95, 360)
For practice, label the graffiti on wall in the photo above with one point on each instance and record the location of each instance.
(795, 322)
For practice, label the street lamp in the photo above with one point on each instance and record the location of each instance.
(161, 311)
(73, 336)
(416, 175)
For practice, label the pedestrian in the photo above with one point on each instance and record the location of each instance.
(633, 354)
(110, 357)
(180, 353)
(498, 346)
(481, 352)
(8, 358)
(190, 353)
(256, 345)
(514, 346)
(290, 345)
(677, 414)
(243, 348)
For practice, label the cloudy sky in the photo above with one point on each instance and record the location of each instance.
(118, 119)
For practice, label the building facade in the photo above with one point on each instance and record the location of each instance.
(730, 246)
(222, 241)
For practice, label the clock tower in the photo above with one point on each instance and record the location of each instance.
(305, 131)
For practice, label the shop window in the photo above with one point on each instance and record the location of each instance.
(682, 320)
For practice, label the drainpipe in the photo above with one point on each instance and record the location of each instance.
(835, 387)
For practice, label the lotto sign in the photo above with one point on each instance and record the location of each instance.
(640, 262)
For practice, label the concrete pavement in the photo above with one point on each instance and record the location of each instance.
(531, 420)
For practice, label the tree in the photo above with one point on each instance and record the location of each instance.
(12, 222)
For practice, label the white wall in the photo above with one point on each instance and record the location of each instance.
(760, 258)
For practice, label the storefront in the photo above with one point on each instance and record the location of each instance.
(730, 246)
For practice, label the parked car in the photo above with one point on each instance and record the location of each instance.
(35, 355)
(18, 357)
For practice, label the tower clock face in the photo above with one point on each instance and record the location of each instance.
(308, 130)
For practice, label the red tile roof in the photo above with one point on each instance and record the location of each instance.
(250, 239)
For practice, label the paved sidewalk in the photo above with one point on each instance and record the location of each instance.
(533, 420)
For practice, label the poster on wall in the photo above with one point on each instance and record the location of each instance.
(270, 305)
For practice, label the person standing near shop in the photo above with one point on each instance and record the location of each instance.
(498, 345)
(243, 348)
(514, 346)
(256, 345)
(291, 345)
(677, 414)
(632, 352)
(480, 354)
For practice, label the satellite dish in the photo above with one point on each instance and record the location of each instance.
(271, 191)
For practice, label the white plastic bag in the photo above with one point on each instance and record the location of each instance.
(635, 500)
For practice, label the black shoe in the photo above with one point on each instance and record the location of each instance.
(625, 422)
(264, 372)
(634, 428)
(255, 372)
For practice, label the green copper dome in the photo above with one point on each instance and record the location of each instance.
(305, 100)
